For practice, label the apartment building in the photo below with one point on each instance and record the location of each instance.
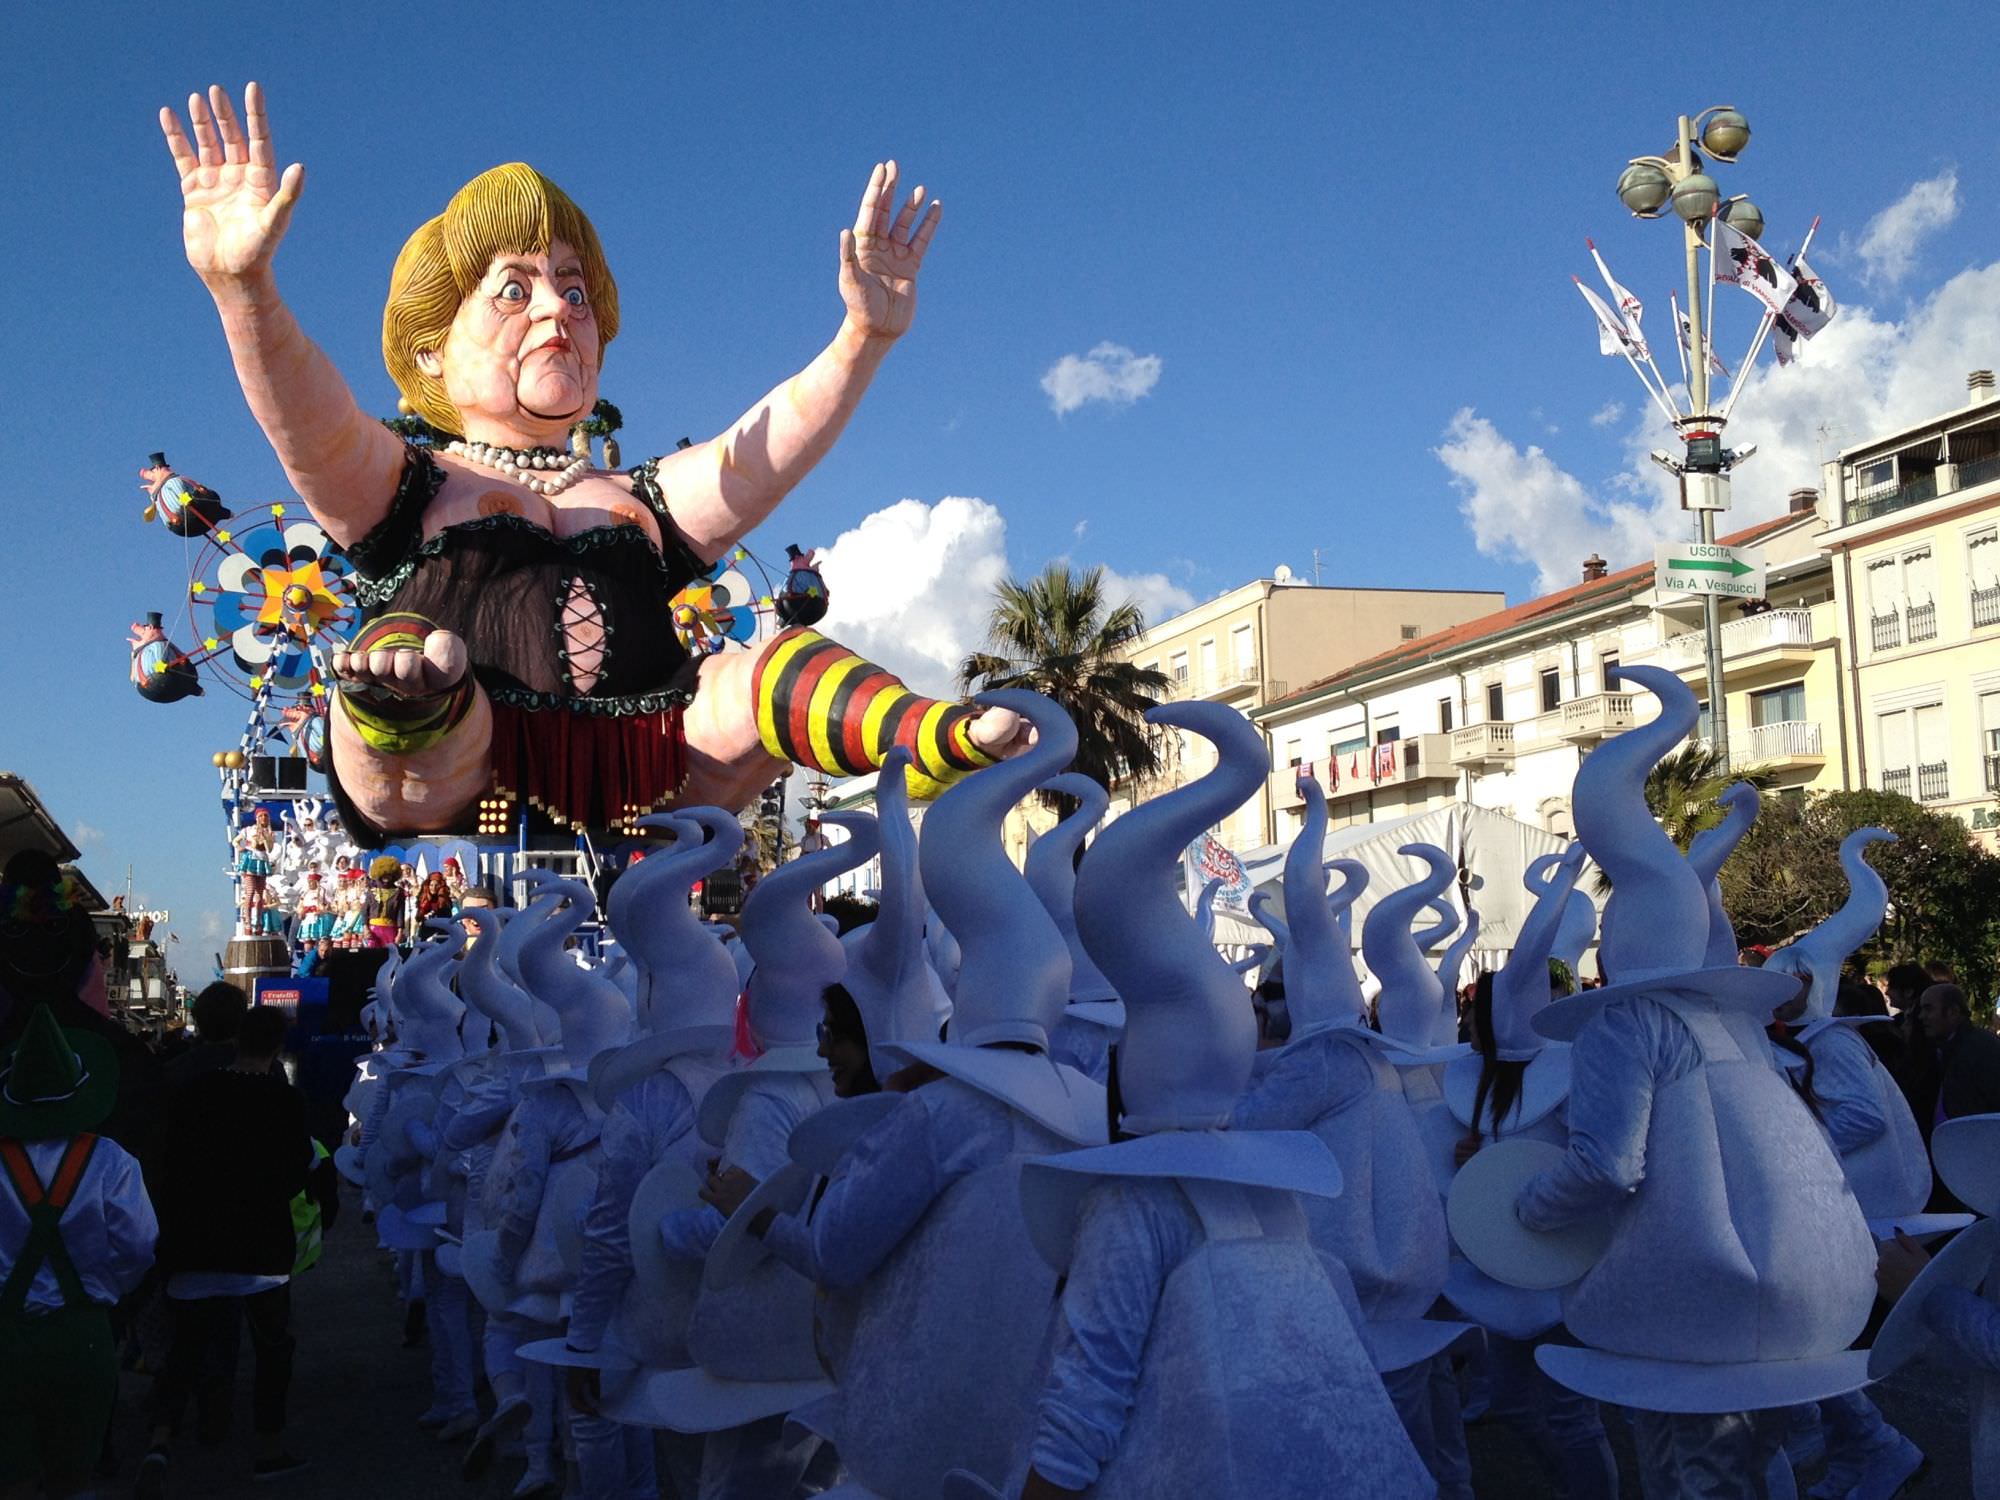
(1498, 711)
(1250, 646)
(1914, 541)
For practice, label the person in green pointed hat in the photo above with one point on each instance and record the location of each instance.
(76, 1234)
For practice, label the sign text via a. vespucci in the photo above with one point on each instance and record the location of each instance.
(1708, 568)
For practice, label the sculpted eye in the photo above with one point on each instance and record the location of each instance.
(513, 291)
(574, 296)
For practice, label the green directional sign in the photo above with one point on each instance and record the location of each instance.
(1708, 568)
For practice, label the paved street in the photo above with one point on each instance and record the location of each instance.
(357, 1390)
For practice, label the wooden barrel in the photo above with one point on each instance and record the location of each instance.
(248, 959)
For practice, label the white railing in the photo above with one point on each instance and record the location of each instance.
(1493, 739)
(1773, 628)
(1788, 739)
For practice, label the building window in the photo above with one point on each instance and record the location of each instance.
(1294, 752)
(1989, 739)
(1388, 736)
(1410, 632)
(1347, 754)
(1209, 676)
(1177, 667)
(1243, 652)
(1704, 726)
(1912, 746)
(1779, 705)
(1902, 599)
(1982, 571)
(1607, 672)
(1444, 716)
(1496, 703)
(1552, 693)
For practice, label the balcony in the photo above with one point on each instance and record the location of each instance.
(1584, 721)
(1284, 789)
(1930, 782)
(1885, 632)
(1920, 622)
(1787, 745)
(1775, 638)
(1992, 773)
(1225, 683)
(1986, 607)
(1483, 747)
(1894, 497)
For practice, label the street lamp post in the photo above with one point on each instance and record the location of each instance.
(1647, 187)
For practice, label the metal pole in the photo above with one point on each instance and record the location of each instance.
(1711, 609)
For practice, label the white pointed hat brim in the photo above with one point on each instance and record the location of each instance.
(1398, 1343)
(1673, 1385)
(667, 1282)
(1511, 1311)
(736, 1251)
(449, 1258)
(1106, 1013)
(348, 1162)
(822, 1138)
(1400, 1054)
(1053, 1187)
(432, 1215)
(394, 1231)
(1734, 987)
(1480, 1212)
(478, 1260)
(1965, 1153)
(1049, 1093)
(820, 1419)
(1544, 1087)
(613, 1072)
(1919, 1227)
(720, 1102)
(559, 1354)
(694, 1401)
(1906, 1332)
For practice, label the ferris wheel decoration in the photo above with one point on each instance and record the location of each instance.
(724, 606)
(269, 598)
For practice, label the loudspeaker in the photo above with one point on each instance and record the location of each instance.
(349, 974)
(278, 773)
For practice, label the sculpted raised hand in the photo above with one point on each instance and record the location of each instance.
(880, 256)
(234, 203)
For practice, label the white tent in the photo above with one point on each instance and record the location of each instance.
(1493, 851)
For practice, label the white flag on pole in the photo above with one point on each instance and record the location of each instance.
(1629, 308)
(1812, 307)
(1741, 261)
(1612, 335)
(1715, 364)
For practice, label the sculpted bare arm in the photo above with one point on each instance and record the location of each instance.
(235, 209)
(720, 490)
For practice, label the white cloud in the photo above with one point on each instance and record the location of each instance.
(1157, 595)
(211, 928)
(1888, 244)
(1079, 529)
(87, 833)
(1110, 372)
(911, 586)
(1862, 376)
(1608, 414)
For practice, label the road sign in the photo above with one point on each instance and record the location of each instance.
(1708, 568)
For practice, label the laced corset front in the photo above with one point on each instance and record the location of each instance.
(582, 623)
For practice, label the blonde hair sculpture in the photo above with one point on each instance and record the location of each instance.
(511, 208)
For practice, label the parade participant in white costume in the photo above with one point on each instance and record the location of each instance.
(1952, 1304)
(1870, 1124)
(1417, 1015)
(1331, 1077)
(921, 1227)
(1707, 852)
(1738, 1268)
(751, 1344)
(1513, 1087)
(1201, 1346)
(650, 1090)
(1095, 1015)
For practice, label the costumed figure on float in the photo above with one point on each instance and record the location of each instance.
(161, 671)
(186, 507)
(256, 846)
(519, 638)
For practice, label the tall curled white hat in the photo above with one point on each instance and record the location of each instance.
(1321, 988)
(1576, 926)
(429, 1013)
(488, 990)
(1521, 988)
(795, 956)
(1709, 851)
(889, 973)
(1190, 1034)
(1014, 971)
(591, 1010)
(685, 976)
(520, 926)
(1051, 872)
(1449, 969)
(1654, 938)
(1412, 995)
(1818, 955)
(1428, 938)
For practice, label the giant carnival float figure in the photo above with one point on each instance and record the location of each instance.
(518, 639)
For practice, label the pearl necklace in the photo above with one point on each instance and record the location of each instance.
(517, 464)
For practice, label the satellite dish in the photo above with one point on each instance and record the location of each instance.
(1282, 574)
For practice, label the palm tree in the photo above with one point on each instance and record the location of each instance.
(1059, 635)
(1681, 790)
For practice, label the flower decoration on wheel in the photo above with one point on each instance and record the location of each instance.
(270, 596)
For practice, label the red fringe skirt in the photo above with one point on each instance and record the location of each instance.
(588, 770)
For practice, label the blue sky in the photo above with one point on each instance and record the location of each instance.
(1343, 235)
